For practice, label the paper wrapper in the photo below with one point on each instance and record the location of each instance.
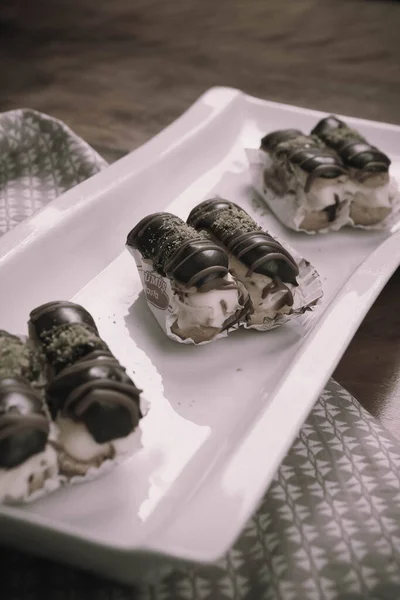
(290, 210)
(306, 296)
(159, 297)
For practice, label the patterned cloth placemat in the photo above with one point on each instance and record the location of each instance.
(328, 527)
(40, 158)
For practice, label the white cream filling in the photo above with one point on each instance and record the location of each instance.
(323, 191)
(78, 443)
(15, 484)
(369, 196)
(208, 309)
(255, 284)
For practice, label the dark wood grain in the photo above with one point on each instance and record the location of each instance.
(118, 72)
(370, 368)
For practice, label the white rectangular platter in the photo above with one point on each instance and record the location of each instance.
(223, 415)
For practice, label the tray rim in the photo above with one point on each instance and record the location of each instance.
(65, 206)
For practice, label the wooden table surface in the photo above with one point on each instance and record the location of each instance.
(119, 71)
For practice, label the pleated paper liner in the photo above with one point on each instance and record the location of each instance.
(307, 296)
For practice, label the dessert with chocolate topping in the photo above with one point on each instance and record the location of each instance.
(267, 270)
(186, 279)
(28, 461)
(302, 171)
(93, 402)
(96, 407)
(369, 186)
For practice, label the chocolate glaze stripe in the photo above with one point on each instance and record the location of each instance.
(204, 273)
(15, 385)
(170, 237)
(36, 419)
(240, 313)
(67, 311)
(239, 253)
(361, 149)
(241, 244)
(337, 135)
(332, 209)
(276, 286)
(305, 144)
(308, 151)
(263, 260)
(137, 232)
(98, 383)
(125, 394)
(271, 140)
(309, 156)
(65, 332)
(12, 424)
(136, 235)
(99, 356)
(267, 240)
(177, 261)
(94, 359)
(270, 256)
(185, 255)
(317, 172)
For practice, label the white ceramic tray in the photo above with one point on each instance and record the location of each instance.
(223, 415)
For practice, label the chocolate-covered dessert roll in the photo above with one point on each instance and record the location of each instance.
(369, 182)
(185, 278)
(97, 409)
(28, 462)
(302, 171)
(267, 270)
(90, 397)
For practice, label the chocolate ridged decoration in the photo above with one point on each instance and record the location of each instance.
(177, 250)
(67, 333)
(59, 312)
(98, 393)
(270, 141)
(24, 427)
(277, 286)
(101, 355)
(244, 239)
(240, 314)
(305, 152)
(353, 148)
